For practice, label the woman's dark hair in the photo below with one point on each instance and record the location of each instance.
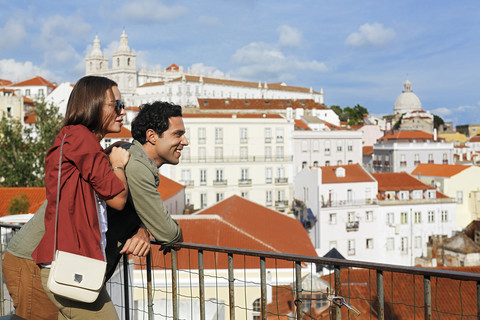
(85, 104)
(154, 116)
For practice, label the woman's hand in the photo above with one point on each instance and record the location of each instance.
(119, 157)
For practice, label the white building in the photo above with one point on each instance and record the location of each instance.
(34, 88)
(179, 86)
(59, 97)
(249, 155)
(385, 217)
(402, 151)
(325, 147)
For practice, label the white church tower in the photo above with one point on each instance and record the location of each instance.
(124, 67)
(96, 62)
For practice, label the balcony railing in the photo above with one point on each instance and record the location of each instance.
(222, 182)
(281, 203)
(237, 159)
(352, 226)
(281, 180)
(188, 183)
(344, 203)
(244, 182)
(211, 282)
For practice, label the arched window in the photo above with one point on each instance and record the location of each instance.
(257, 307)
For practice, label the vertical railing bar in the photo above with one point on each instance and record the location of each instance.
(149, 287)
(427, 293)
(201, 284)
(298, 289)
(263, 288)
(173, 253)
(231, 287)
(126, 287)
(338, 291)
(380, 297)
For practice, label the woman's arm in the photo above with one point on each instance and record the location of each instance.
(119, 159)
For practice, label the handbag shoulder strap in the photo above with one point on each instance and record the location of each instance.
(58, 196)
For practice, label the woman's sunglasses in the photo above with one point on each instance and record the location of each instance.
(119, 105)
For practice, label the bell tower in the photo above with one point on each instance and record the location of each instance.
(124, 66)
(96, 62)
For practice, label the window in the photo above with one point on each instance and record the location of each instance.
(351, 217)
(418, 217)
(203, 200)
(390, 244)
(404, 218)
(268, 175)
(404, 244)
(444, 215)
(186, 176)
(351, 247)
(218, 153)
(349, 145)
(417, 159)
(244, 194)
(315, 146)
(327, 148)
(339, 145)
(431, 216)
(279, 153)
(268, 153)
(108, 142)
(268, 198)
(186, 154)
(350, 162)
(219, 196)
(243, 153)
(459, 196)
(339, 162)
(327, 163)
(403, 161)
(315, 163)
(369, 243)
(201, 135)
(27, 92)
(445, 159)
(430, 158)
(349, 195)
(203, 177)
(218, 135)
(244, 174)
(40, 92)
(243, 135)
(304, 164)
(279, 133)
(304, 146)
(268, 135)
(369, 216)
(201, 153)
(219, 175)
(418, 242)
(257, 307)
(390, 218)
(332, 218)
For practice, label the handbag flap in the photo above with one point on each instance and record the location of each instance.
(78, 271)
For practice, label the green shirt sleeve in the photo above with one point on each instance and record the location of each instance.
(148, 203)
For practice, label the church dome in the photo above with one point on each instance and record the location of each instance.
(407, 100)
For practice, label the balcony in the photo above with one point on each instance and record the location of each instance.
(352, 226)
(281, 203)
(244, 182)
(211, 282)
(229, 159)
(403, 164)
(220, 182)
(188, 183)
(281, 180)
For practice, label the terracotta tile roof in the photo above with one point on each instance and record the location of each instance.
(28, 100)
(397, 181)
(8, 90)
(242, 213)
(4, 82)
(460, 146)
(136, 109)
(407, 135)
(36, 81)
(353, 173)
(367, 150)
(474, 139)
(300, 125)
(233, 115)
(124, 133)
(36, 197)
(173, 67)
(438, 170)
(263, 104)
(152, 84)
(30, 117)
(168, 188)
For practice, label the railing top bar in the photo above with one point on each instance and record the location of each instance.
(457, 275)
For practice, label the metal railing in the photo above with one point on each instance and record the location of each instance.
(209, 282)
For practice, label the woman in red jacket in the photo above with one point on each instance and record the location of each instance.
(88, 177)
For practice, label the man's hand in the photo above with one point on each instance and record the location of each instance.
(138, 245)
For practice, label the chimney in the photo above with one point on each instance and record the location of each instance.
(434, 134)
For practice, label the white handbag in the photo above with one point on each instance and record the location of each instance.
(74, 276)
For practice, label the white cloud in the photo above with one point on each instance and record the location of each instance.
(207, 70)
(375, 35)
(208, 21)
(289, 37)
(19, 71)
(259, 59)
(150, 11)
(12, 34)
(442, 111)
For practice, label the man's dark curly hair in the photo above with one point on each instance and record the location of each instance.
(154, 116)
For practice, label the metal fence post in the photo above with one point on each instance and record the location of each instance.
(125, 287)
(380, 298)
(149, 287)
(338, 292)
(231, 287)
(173, 253)
(427, 296)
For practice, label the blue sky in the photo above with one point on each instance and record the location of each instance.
(359, 52)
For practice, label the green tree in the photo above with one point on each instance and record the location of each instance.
(22, 160)
(19, 204)
(437, 121)
(352, 116)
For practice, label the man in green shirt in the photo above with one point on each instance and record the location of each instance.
(159, 138)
